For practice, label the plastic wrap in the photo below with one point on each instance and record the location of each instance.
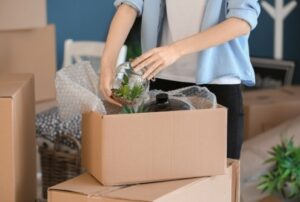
(77, 90)
(196, 96)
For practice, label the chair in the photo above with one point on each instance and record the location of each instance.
(78, 51)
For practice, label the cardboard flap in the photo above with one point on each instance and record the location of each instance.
(151, 191)
(10, 84)
(84, 184)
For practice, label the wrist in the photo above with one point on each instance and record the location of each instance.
(178, 48)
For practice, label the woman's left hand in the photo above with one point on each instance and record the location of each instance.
(156, 60)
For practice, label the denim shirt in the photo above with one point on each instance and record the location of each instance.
(228, 59)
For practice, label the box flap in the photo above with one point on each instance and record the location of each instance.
(151, 191)
(10, 84)
(84, 184)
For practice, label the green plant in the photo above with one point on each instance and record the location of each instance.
(284, 177)
(127, 93)
(130, 109)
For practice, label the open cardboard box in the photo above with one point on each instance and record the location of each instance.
(222, 188)
(17, 138)
(146, 147)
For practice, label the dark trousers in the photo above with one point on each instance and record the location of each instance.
(229, 96)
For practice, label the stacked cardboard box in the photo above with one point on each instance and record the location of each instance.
(17, 138)
(170, 153)
(28, 44)
(222, 188)
(265, 109)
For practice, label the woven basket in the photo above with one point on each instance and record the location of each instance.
(58, 161)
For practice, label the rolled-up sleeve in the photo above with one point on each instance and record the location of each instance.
(136, 4)
(247, 10)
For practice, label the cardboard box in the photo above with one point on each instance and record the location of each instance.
(17, 139)
(222, 188)
(31, 51)
(264, 109)
(148, 147)
(16, 14)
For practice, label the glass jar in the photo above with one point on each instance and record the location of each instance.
(129, 86)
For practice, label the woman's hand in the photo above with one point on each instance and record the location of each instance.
(105, 85)
(156, 60)
(118, 32)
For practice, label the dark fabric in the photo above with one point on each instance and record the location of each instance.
(229, 96)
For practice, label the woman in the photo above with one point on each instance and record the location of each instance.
(187, 42)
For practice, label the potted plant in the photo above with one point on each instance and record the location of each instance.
(283, 180)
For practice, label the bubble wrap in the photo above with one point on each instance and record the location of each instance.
(198, 97)
(77, 90)
(49, 125)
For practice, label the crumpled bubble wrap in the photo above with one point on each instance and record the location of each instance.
(49, 126)
(77, 90)
(196, 96)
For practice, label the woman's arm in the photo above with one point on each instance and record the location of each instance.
(159, 58)
(119, 29)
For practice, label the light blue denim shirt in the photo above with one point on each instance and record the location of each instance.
(228, 59)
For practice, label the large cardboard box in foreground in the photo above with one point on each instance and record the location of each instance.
(265, 109)
(17, 139)
(31, 51)
(146, 147)
(20, 14)
(222, 188)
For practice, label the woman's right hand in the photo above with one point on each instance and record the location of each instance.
(118, 31)
(106, 80)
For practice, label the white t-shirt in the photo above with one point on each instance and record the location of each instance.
(183, 19)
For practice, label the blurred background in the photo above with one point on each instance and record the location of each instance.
(63, 32)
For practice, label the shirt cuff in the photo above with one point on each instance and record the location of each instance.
(248, 15)
(136, 4)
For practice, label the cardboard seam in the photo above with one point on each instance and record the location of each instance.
(102, 118)
(13, 146)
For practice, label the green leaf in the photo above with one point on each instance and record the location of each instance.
(284, 175)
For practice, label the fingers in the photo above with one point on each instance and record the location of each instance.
(106, 92)
(153, 70)
(156, 71)
(143, 57)
(147, 63)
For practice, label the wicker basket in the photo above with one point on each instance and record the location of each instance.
(58, 161)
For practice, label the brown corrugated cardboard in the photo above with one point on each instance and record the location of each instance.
(265, 109)
(146, 147)
(222, 188)
(16, 14)
(17, 138)
(31, 51)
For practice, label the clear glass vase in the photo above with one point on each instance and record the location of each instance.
(129, 87)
